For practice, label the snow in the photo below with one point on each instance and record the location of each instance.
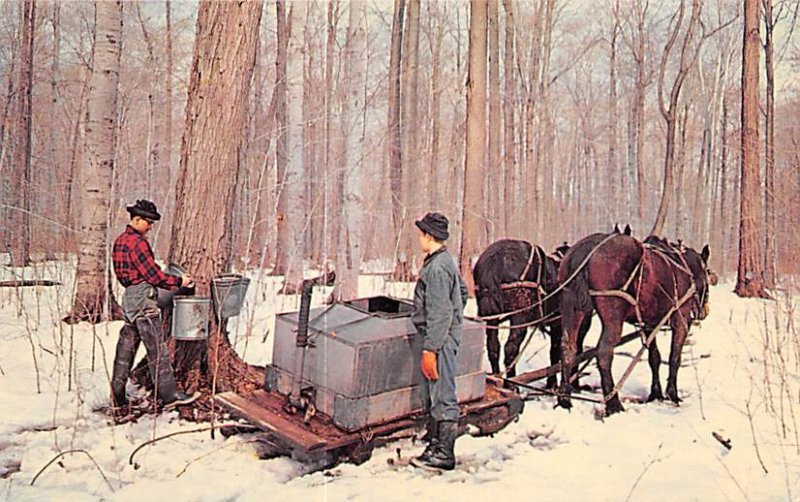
(740, 379)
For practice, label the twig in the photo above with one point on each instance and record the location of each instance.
(646, 468)
(724, 442)
(68, 452)
(159, 438)
(755, 441)
(215, 450)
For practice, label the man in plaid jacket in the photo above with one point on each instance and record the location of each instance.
(137, 271)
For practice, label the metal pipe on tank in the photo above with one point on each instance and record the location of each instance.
(301, 342)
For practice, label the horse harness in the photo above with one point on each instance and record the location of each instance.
(623, 293)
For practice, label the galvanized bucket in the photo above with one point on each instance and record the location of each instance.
(190, 317)
(228, 292)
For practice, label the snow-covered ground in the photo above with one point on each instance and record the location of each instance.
(740, 379)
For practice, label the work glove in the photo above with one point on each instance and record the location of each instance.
(428, 364)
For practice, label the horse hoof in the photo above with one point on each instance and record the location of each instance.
(564, 403)
(613, 407)
(675, 399)
(655, 396)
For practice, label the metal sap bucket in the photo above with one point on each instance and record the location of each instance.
(228, 292)
(190, 317)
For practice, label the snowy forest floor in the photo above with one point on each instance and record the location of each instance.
(740, 379)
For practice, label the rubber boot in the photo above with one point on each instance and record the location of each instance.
(149, 328)
(123, 361)
(432, 437)
(444, 456)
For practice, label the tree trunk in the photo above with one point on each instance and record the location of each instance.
(281, 146)
(348, 263)
(509, 139)
(20, 220)
(293, 191)
(395, 133)
(750, 278)
(330, 198)
(771, 229)
(219, 84)
(494, 167)
(96, 174)
(54, 134)
(438, 172)
(476, 139)
(614, 173)
(411, 187)
(669, 110)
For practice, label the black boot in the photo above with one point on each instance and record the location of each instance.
(123, 361)
(444, 456)
(432, 437)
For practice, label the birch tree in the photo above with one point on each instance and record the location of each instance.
(348, 262)
(94, 179)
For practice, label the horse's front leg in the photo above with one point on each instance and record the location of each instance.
(680, 330)
(654, 358)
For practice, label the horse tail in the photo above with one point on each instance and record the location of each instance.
(488, 291)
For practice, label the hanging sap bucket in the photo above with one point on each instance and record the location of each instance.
(190, 316)
(228, 292)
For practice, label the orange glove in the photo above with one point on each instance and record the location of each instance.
(428, 364)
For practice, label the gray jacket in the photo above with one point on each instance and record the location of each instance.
(439, 300)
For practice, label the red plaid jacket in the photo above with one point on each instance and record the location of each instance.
(134, 262)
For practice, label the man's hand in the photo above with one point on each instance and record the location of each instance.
(429, 369)
(187, 281)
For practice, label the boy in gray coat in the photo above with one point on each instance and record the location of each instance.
(439, 299)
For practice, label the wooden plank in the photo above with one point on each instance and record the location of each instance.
(270, 422)
(532, 376)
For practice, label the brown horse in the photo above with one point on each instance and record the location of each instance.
(625, 280)
(511, 278)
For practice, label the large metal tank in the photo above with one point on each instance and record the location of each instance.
(363, 361)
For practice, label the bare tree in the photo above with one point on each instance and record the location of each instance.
(20, 220)
(395, 132)
(96, 172)
(352, 218)
(411, 185)
(750, 278)
(509, 134)
(669, 109)
(476, 139)
(636, 39)
(219, 84)
(495, 192)
(770, 258)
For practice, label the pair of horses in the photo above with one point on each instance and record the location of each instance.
(648, 284)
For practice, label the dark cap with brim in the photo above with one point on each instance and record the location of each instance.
(144, 209)
(435, 225)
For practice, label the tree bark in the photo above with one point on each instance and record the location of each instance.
(750, 277)
(770, 230)
(476, 140)
(293, 190)
(494, 166)
(669, 110)
(352, 218)
(509, 132)
(219, 84)
(93, 275)
(395, 132)
(20, 220)
(411, 186)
